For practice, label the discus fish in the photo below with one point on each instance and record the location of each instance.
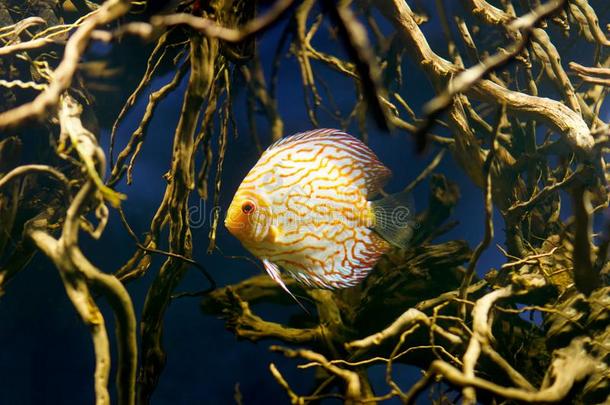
(305, 207)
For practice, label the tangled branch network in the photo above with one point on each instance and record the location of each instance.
(511, 105)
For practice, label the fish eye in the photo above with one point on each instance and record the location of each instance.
(248, 207)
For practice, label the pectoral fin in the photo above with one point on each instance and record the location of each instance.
(273, 234)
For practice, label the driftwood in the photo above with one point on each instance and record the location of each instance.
(425, 305)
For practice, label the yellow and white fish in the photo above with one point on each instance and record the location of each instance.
(305, 207)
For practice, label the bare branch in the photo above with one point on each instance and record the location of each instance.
(206, 26)
(565, 121)
(47, 101)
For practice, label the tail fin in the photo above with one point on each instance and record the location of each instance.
(395, 218)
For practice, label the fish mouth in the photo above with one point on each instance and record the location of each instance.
(232, 223)
(229, 224)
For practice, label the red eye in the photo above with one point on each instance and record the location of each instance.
(248, 207)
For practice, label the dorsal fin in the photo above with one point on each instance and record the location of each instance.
(375, 173)
(303, 136)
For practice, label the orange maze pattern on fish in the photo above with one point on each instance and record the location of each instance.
(317, 185)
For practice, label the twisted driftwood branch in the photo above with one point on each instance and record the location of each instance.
(61, 78)
(79, 275)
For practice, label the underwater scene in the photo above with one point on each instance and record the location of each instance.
(304, 202)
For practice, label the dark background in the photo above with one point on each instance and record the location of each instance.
(46, 354)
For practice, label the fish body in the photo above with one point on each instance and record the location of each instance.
(305, 207)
